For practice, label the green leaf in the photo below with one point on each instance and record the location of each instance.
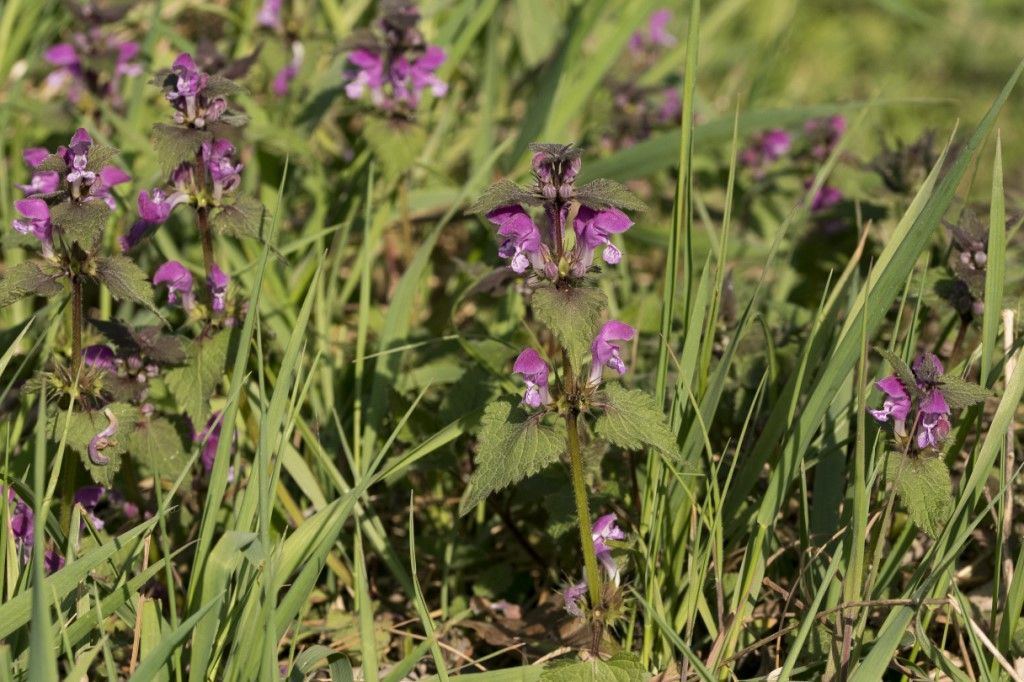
(396, 145)
(177, 144)
(513, 446)
(502, 193)
(632, 419)
(34, 277)
(83, 427)
(603, 193)
(902, 370)
(218, 86)
(149, 341)
(53, 163)
(80, 221)
(574, 315)
(100, 157)
(193, 385)
(157, 444)
(622, 667)
(125, 279)
(960, 394)
(923, 485)
(243, 218)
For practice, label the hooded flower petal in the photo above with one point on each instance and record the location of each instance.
(99, 356)
(521, 237)
(572, 596)
(218, 283)
(593, 228)
(178, 280)
(61, 54)
(34, 156)
(535, 372)
(604, 351)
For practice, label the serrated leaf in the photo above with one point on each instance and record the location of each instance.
(157, 444)
(573, 315)
(177, 144)
(513, 446)
(244, 218)
(632, 419)
(125, 279)
(622, 667)
(30, 278)
(149, 341)
(100, 156)
(901, 369)
(924, 486)
(80, 221)
(218, 86)
(396, 145)
(960, 394)
(193, 384)
(502, 193)
(603, 193)
(83, 427)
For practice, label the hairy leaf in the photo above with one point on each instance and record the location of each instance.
(53, 162)
(632, 419)
(574, 315)
(125, 279)
(194, 384)
(513, 446)
(149, 341)
(960, 394)
(396, 145)
(901, 369)
(84, 426)
(100, 157)
(177, 144)
(602, 193)
(923, 485)
(244, 218)
(622, 667)
(218, 86)
(30, 278)
(158, 445)
(80, 221)
(502, 193)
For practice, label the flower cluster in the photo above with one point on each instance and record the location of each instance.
(196, 104)
(603, 530)
(394, 64)
(74, 173)
(904, 166)
(920, 403)
(605, 352)
(269, 18)
(555, 168)
(93, 61)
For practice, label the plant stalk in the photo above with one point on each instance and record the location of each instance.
(76, 326)
(579, 488)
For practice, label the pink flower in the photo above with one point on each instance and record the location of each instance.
(218, 283)
(521, 238)
(605, 351)
(593, 228)
(178, 280)
(535, 373)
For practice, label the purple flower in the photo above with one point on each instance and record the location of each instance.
(99, 356)
(401, 82)
(775, 143)
(657, 33)
(823, 135)
(535, 373)
(825, 198)
(99, 48)
(178, 280)
(156, 206)
(604, 529)
(270, 15)
(605, 352)
(284, 77)
(21, 521)
(52, 562)
(897, 402)
(89, 496)
(420, 74)
(572, 596)
(102, 439)
(593, 229)
(184, 89)
(218, 283)
(521, 241)
(225, 175)
(368, 76)
(34, 156)
(85, 184)
(209, 436)
(37, 224)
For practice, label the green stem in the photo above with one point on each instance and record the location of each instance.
(76, 326)
(579, 488)
(207, 239)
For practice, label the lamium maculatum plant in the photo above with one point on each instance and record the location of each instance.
(550, 232)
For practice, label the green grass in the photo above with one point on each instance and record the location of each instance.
(326, 541)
